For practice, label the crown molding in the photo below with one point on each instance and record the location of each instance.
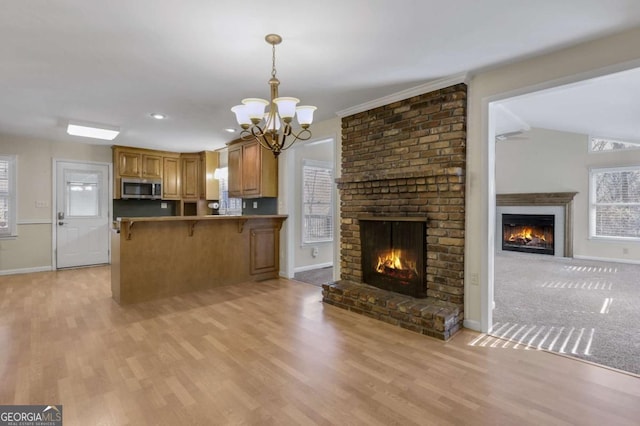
(405, 94)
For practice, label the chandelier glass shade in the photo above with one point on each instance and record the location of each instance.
(273, 129)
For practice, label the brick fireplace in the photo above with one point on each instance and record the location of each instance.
(406, 159)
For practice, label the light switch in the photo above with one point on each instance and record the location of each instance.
(255, 204)
(41, 204)
(163, 205)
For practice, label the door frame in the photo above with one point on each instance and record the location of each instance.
(487, 133)
(54, 204)
(287, 268)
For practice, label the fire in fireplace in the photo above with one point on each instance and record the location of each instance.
(528, 233)
(393, 254)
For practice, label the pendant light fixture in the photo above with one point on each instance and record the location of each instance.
(273, 129)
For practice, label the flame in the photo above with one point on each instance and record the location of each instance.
(526, 234)
(393, 260)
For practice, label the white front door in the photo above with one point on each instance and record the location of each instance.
(82, 214)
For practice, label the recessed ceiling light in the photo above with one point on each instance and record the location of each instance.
(158, 115)
(230, 130)
(96, 131)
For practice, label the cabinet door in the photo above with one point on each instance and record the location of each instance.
(251, 169)
(263, 250)
(152, 166)
(129, 164)
(190, 177)
(171, 178)
(235, 171)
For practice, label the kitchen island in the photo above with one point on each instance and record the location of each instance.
(155, 257)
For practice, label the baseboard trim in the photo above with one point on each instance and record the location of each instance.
(472, 325)
(606, 259)
(26, 270)
(311, 267)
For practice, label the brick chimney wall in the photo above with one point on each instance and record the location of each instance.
(408, 159)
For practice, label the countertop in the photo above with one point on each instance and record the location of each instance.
(207, 217)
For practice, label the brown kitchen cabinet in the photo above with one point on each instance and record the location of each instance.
(264, 250)
(129, 163)
(171, 177)
(190, 164)
(187, 176)
(152, 166)
(253, 170)
(139, 163)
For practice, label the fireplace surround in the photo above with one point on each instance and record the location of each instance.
(406, 159)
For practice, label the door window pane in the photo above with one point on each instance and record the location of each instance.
(82, 192)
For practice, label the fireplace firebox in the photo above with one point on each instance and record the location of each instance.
(528, 233)
(393, 254)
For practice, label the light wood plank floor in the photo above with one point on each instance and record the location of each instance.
(272, 353)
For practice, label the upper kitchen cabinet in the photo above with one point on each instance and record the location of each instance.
(253, 171)
(152, 166)
(198, 181)
(128, 163)
(135, 163)
(190, 164)
(171, 177)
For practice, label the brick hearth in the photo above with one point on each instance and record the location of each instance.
(407, 159)
(419, 315)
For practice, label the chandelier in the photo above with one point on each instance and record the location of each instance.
(273, 129)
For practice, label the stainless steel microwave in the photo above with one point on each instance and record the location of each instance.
(141, 189)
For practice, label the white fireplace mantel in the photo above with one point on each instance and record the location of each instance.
(560, 204)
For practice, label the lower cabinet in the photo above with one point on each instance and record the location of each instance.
(264, 250)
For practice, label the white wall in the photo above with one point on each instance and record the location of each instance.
(552, 161)
(31, 250)
(590, 59)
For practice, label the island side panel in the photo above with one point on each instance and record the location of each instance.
(166, 258)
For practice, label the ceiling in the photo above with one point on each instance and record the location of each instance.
(607, 106)
(115, 62)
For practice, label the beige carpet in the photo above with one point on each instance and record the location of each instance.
(585, 309)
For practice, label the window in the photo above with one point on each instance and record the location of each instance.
(317, 202)
(597, 144)
(615, 202)
(7, 195)
(230, 206)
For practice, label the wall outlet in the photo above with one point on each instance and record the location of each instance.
(314, 252)
(255, 204)
(163, 205)
(42, 204)
(625, 250)
(244, 204)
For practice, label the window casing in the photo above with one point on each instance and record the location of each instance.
(317, 202)
(614, 200)
(8, 196)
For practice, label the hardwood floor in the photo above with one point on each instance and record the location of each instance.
(272, 353)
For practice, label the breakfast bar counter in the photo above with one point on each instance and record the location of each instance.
(155, 257)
